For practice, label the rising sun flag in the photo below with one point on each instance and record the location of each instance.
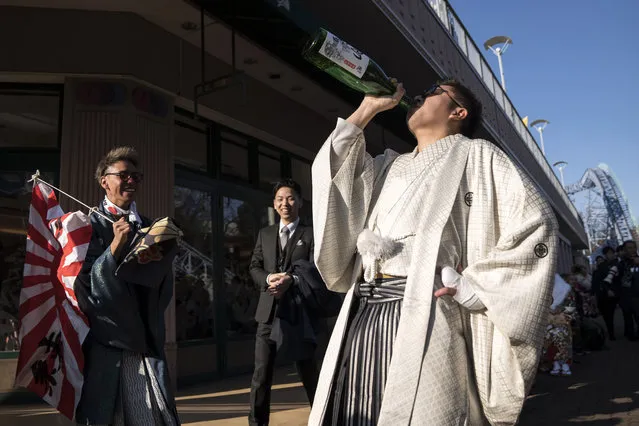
(52, 326)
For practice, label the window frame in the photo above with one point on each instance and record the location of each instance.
(17, 159)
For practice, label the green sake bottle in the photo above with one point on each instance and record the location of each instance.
(350, 66)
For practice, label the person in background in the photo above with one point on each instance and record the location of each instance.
(633, 292)
(576, 319)
(627, 270)
(277, 247)
(584, 287)
(558, 342)
(606, 288)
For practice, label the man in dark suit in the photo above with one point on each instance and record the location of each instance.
(277, 248)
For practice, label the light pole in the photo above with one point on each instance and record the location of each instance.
(498, 46)
(561, 165)
(540, 125)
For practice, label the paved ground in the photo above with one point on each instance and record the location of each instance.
(220, 403)
(604, 390)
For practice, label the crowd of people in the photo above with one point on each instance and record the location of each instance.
(584, 304)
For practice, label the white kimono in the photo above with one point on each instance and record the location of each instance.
(459, 201)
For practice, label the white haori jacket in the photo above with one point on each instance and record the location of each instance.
(464, 203)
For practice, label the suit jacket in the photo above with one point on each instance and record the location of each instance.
(122, 316)
(264, 261)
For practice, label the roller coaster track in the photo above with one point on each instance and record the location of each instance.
(619, 221)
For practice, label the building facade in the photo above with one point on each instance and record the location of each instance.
(79, 77)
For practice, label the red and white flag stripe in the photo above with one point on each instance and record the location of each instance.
(52, 326)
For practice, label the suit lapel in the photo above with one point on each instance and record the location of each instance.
(269, 247)
(292, 242)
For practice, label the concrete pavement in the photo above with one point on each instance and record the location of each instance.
(219, 403)
(604, 390)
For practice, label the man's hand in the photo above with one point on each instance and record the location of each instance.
(373, 105)
(379, 104)
(274, 279)
(278, 284)
(447, 291)
(121, 230)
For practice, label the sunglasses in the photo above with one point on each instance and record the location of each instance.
(125, 176)
(438, 90)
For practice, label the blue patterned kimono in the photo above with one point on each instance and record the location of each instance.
(126, 379)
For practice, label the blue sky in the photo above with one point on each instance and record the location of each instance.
(575, 64)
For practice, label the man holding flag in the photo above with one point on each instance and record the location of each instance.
(126, 380)
(123, 287)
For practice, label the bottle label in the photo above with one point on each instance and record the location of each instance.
(344, 55)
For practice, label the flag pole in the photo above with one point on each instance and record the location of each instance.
(35, 178)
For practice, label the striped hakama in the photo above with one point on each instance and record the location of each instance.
(141, 401)
(366, 353)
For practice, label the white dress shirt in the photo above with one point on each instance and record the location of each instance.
(291, 227)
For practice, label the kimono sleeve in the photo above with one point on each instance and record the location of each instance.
(109, 304)
(514, 230)
(343, 175)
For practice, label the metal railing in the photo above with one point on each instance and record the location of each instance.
(190, 261)
(452, 23)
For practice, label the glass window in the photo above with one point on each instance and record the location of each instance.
(194, 305)
(191, 147)
(270, 167)
(301, 172)
(29, 119)
(439, 6)
(15, 198)
(242, 294)
(509, 108)
(520, 126)
(268, 217)
(475, 57)
(487, 75)
(234, 156)
(458, 32)
(499, 94)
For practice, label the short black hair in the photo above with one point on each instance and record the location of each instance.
(468, 100)
(288, 183)
(625, 243)
(599, 257)
(120, 153)
(607, 250)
